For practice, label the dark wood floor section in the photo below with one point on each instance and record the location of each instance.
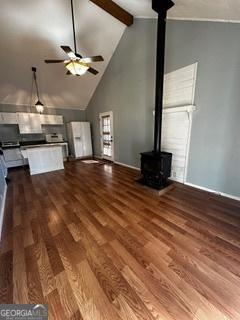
(93, 244)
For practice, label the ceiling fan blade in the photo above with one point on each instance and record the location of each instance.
(92, 59)
(54, 61)
(69, 52)
(93, 71)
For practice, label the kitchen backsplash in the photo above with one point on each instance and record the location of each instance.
(11, 132)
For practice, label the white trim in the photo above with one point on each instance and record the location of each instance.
(222, 194)
(190, 117)
(191, 19)
(2, 211)
(145, 17)
(189, 108)
(48, 107)
(126, 165)
(101, 115)
(202, 19)
(195, 82)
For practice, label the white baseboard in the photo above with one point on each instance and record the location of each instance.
(126, 165)
(2, 211)
(222, 194)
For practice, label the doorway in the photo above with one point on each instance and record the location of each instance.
(106, 135)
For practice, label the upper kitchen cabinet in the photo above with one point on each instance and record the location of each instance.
(29, 123)
(8, 118)
(49, 119)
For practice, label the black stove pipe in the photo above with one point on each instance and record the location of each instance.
(161, 7)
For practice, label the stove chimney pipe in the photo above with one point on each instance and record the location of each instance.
(161, 7)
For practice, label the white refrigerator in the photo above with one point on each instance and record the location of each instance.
(79, 138)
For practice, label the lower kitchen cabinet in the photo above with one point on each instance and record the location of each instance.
(13, 157)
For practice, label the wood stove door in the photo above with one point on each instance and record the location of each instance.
(106, 134)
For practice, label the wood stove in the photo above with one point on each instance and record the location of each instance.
(156, 165)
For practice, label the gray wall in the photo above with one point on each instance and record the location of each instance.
(11, 132)
(127, 88)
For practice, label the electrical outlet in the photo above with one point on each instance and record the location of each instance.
(174, 174)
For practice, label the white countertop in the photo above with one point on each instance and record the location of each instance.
(55, 144)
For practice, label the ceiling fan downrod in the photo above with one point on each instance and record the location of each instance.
(73, 25)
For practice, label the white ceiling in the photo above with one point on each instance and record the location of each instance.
(32, 31)
(219, 10)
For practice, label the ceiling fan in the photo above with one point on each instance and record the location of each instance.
(76, 64)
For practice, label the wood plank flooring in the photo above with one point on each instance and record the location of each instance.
(94, 245)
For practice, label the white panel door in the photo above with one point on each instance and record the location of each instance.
(176, 132)
(106, 135)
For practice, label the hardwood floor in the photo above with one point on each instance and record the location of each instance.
(93, 244)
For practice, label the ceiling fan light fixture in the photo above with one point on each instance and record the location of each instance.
(77, 68)
(39, 106)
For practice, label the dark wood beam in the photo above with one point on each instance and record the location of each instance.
(115, 10)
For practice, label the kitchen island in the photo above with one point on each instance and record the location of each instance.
(44, 158)
(25, 147)
(41, 155)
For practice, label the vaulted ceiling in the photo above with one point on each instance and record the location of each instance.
(220, 10)
(32, 31)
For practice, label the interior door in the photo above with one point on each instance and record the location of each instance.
(106, 134)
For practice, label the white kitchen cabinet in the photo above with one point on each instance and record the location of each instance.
(13, 157)
(51, 119)
(8, 118)
(29, 123)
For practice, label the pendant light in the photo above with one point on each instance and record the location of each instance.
(39, 105)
